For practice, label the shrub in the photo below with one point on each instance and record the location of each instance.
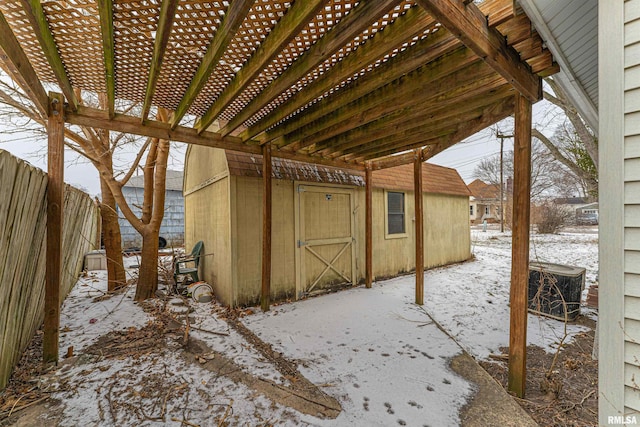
(552, 218)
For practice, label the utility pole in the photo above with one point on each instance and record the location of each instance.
(502, 137)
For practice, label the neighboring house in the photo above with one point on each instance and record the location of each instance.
(318, 229)
(484, 202)
(172, 228)
(605, 87)
(584, 212)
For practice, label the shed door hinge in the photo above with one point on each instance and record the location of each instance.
(301, 243)
(300, 189)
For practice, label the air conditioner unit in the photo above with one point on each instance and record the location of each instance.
(555, 290)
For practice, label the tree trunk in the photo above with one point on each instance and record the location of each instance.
(112, 239)
(148, 276)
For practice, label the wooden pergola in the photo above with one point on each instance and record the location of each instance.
(360, 85)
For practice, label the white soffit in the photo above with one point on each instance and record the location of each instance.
(570, 30)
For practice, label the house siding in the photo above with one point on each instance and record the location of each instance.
(619, 209)
(172, 227)
(631, 204)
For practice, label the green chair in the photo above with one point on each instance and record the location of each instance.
(188, 265)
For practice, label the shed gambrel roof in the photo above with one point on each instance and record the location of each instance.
(437, 179)
(339, 82)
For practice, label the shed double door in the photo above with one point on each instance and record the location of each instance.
(325, 225)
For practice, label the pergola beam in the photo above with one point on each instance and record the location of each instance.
(287, 28)
(422, 113)
(424, 51)
(359, 19)
(429, 82)
(404, 28)
(105, 8)
(91, 117)
(165, 23)
(35, 13)
(470, 25)
(433, 146)
(236, 13)
(16, 63)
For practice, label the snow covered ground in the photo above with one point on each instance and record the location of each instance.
(374, 350)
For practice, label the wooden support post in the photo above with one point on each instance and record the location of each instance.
(266, 227)
(55, 204)
(520, 247)
(417, 181)
(368, 225)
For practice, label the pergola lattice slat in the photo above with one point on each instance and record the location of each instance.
(38, 20)
(288, 27)
(349, 27)
(403, 29)
(167, 15)
(108, 45)
(16, 64)
(233, 19)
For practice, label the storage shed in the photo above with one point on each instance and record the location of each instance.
(318, 223)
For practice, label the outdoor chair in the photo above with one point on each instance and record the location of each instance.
(188, 264)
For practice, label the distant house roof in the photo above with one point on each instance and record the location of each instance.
(571, 201)
(436, 179)
(174, 181)
(483, 191)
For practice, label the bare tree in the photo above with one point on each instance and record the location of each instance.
(547, 176)
(100, 147)
(573, 143)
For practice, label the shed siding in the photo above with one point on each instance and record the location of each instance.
(632, 205)
(207, 218)
(225, 211)
(248, 217)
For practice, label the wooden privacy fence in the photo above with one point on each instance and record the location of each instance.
(23, 215)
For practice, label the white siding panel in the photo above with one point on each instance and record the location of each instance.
(632, 307)
(632, 147)
(632, 99)
(632, 216)
(632, 354)
(632, 169)
(632, 124)
(632, 284)
(631, 330)
(631, 11)
(632, 32)
(632, 265)
(632, 192)
(632, 78)
(632, 394)
(632, 55)
(632, 238)
(632, 376)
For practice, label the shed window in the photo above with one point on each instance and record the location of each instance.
(395, 212)
(471, 210)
